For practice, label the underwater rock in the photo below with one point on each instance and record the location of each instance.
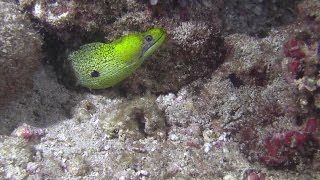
(20, 51)
(193, 50)
(291, 147)
(310, 9)
(256, 17)
(135, 119)
(15, 153)
(77, 166)
(48, 102)
(247, 112)
(220, 98)
(89, 15)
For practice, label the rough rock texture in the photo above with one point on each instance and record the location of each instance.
(136, 119)
(252, 114)
(15, 153)
(256, 17)
(192, 51)
(61, 14)
(48, 103)
(20, 51)
(310, 9)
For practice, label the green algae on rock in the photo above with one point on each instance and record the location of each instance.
(101, 65)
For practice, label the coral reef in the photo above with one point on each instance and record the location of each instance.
(193, 51)
(310, 9)
(284, 149)
(20, 52)
(301, 65)
(64, 14)
(175, 62)
(233, 94)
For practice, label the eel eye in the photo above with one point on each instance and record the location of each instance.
(148, 38)
(95, 73)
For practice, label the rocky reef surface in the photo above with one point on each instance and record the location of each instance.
(20, 48)
(234, 93)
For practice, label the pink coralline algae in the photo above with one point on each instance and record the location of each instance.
(283, 148)
(294, 65)
(292, 50)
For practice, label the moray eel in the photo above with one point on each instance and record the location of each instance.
(102, 65)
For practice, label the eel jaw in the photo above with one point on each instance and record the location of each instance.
(150, 47)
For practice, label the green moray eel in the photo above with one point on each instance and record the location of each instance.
(102, 65)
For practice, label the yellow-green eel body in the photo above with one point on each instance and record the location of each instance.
(102, 65)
